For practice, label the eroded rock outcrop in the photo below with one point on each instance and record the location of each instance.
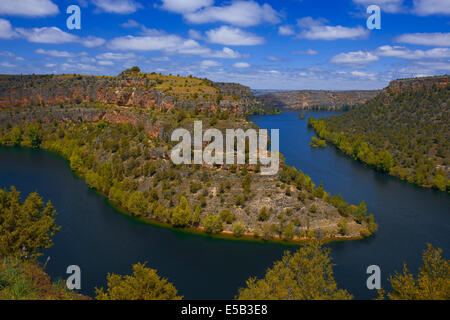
(139, 91)
(316, 99)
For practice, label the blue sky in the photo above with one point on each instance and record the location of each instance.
(284, 44)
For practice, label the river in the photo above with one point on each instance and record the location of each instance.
(100, 239)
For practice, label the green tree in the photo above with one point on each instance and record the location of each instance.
(137, 203)
(304, 275)
(213, 224)
(34, 133)
(361, 211)
(16, 136)
(264, 214)
(144, 284)
(432, 282)
(227, 216)
(385, 161)
(238, 229)
(75, 162)
(319, 192)
(196, 215)
(289, 231)
(182, 214)
(440, 182)
(25, 228)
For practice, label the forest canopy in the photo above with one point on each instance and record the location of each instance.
(405, 134)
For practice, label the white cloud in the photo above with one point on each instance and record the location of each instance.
(77, 67)
(8, 65)
(238, 13)
(147, 43)
(130, 24)
(6, 30)
(92, 42)
(152, 32)
(183, 6)
(241, 65)
(390, 6)
(210, 64)
(286, 30)
(54, 35)
(404, 53)
(426, 68)
(427, 39)
(431, 7)
(105, 63)
(56, 53)
(28, 8)
(308, 52)
(333, 33)
(435, 66)
(115, 56)
(170, 44)
(361, 74)
(315, 29)
(420, 7)
(47, 35)
(274, 59)
(160, 59)
(361, 58)
(233, 36)
(117, 6)
(354, 58)
(227, 53)
(194, 34)
(309, 22)
(11, 55)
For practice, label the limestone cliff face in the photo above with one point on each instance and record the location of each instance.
(417, 84)
(125, 91)
(311, 99)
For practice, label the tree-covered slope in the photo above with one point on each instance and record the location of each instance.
(405, 131)
(124, 154)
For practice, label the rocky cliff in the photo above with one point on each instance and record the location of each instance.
(149, 91)
(424, 83)
(316, 99)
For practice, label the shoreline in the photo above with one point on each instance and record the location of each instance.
(198, 231)
(421, 186)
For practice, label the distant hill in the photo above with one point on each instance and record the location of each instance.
(404, 131)
(314, 99)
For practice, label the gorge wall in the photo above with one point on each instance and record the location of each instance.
(316, 99)
(149, 91)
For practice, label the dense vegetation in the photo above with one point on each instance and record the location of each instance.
(304, 275)
(26, 228)
(405, 134)
(144, 284)
(307, 274)
(432, 282)
(125, 157)
(25, 280)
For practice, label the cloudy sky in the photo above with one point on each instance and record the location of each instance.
(265, 44)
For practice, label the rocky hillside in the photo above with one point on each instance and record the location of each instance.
(425, 83)
(316, 99)
(130, 89)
